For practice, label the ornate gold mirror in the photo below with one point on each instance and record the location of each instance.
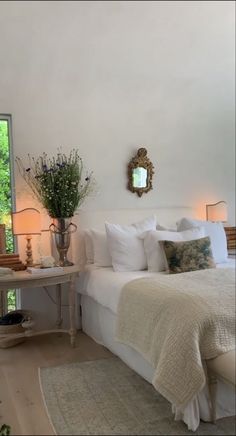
(140, 172)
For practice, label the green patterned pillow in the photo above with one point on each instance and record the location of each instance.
(187, 256)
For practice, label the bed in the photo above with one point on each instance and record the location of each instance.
(100, 289)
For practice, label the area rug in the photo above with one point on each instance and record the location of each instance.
(105, 397)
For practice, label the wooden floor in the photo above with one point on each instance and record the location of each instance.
(21, 404)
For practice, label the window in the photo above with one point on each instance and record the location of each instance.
(6, 197)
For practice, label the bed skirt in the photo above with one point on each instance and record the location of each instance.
(99, 323)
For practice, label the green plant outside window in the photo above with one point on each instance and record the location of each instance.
(5, 195)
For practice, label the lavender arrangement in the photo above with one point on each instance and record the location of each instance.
(58, 183)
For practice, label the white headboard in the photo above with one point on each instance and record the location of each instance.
(166, 216)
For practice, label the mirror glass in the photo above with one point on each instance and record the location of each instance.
(139, 176)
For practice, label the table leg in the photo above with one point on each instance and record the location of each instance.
(59, 312)
(72, 309)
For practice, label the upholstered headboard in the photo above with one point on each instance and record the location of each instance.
(166, 216)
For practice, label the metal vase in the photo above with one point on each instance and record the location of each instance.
(62, 229)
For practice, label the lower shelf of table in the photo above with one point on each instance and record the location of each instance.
(31, 333)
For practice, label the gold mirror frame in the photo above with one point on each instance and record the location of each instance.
(140, 160)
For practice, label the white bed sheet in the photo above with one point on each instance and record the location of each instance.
(105, 286)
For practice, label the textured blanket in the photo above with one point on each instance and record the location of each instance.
(176, 322)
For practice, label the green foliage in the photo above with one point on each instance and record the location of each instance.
(58, 183)
(5, 192)
(5, 183)
(5, 211)
(5, 430)
(11, 300)
(9, 240)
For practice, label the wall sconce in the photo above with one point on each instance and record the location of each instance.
(217, 211)
(27, 222)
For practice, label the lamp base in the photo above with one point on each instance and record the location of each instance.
(29, 257)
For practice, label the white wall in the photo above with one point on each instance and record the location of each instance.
(110, 77)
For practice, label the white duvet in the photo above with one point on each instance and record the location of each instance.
(104, 285)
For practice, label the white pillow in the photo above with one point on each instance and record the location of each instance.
(88, 246)
(102, 256)
(156, 259)
(159, 227)
(215, 231)
(126, 248)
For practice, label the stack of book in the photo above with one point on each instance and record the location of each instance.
(11, 261)
(231, 237)
(40, 270)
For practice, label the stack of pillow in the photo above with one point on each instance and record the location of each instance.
(119, 246)
(194, 245)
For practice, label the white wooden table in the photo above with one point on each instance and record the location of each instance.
(23, 279)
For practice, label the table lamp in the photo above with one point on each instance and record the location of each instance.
(27, 222)
(217, 211)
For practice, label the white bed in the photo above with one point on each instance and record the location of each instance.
(100, 289)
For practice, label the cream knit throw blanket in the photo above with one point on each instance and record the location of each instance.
(175, 322)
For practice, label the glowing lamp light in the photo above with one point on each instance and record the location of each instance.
(27, 222)
(217, 211)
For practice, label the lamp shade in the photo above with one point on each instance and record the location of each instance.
(217, 211)
(26, 222)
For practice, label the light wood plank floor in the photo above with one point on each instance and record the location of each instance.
(21, 404)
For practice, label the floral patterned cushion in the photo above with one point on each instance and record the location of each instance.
(188, 255)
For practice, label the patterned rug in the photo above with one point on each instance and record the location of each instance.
(105, 397)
